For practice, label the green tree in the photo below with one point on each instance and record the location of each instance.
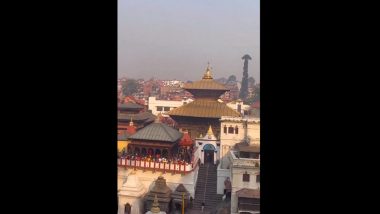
(129, 87)
(231, 78)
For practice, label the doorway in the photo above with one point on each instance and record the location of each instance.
(209, 153)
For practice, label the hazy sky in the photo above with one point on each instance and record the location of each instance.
(174, 39)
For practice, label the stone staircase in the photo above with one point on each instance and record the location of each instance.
(206, 188)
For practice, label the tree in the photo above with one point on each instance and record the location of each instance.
(129, 87)
(231, 79)
(244, 83)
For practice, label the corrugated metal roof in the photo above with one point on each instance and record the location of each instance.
(204, 108)
(205, 84)
(157, 132)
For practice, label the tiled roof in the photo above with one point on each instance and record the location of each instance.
(205, 84)
(157, 132)
(130, 105)
(204, 108)
(136, 117)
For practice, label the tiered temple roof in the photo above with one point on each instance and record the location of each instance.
(204, 108)
(130, 106)
(206, 105)
(143, 116)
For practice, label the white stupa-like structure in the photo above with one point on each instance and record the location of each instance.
(132, 192)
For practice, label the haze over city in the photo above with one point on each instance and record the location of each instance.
(175, 39)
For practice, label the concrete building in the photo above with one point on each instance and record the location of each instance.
(164, 106)
(245, 176)
(239, 106)
(240, 161)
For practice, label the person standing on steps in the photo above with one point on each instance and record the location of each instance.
(227, 187)
(203, 206)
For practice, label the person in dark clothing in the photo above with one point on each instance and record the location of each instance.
(191, 202)
(203, 206)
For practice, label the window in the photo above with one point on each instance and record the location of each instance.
(225, 129)
(159, 108)
(166, 108)
(258, 178)
(236, 130)
(245, 177)
(230, 130)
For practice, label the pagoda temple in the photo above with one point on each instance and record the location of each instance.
(156, 140)
(132, 111)
(205, 110)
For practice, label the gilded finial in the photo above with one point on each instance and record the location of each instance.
(209, 132)
(208, 74)
(155, 206)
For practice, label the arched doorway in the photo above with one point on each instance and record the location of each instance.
(127, 208)
(209, 153)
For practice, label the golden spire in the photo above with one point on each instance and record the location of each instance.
(155, 206)
(209, 132)
(208, 74)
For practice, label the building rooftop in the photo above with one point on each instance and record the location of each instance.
(136, 117)
(205, 84)
(130, 105)
(157, 132)
(204, 108)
